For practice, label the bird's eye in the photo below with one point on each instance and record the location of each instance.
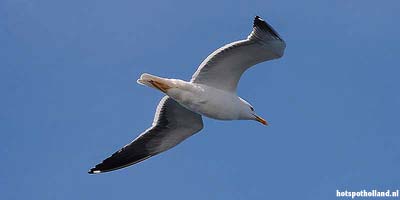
(251, 108)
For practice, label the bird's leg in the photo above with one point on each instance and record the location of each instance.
(159, 85)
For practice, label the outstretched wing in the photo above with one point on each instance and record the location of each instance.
(223, 68)
(172, 124)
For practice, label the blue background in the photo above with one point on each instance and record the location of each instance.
(69, 99)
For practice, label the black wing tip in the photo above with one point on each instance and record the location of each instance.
(263, 25)
(259, 22)
(94, 171)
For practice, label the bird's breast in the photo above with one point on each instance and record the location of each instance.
(208, 101)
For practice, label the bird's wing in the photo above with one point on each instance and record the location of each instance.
(222, 69)
(172, 124)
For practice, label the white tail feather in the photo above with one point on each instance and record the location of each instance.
(145, 79)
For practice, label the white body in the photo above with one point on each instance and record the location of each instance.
(206, 100)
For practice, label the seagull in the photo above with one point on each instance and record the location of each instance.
(211, 92)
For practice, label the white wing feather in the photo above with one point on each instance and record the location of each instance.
(172, 124)
(223, 68)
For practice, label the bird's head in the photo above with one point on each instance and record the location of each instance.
(248, 113)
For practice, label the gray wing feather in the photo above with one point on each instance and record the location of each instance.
(223, 68)
(172, 124)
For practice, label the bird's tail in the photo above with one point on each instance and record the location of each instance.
(156, 82)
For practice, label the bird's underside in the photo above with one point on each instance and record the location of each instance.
(221, 70)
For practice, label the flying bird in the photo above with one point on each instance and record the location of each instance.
(211, 92)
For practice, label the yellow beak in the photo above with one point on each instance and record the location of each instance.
(261, 120)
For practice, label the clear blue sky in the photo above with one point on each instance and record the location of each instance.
(69, 99)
